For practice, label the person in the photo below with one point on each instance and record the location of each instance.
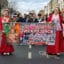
(17, 27)
(57, 48)
(11, 36)
(63, 14)
(21, 35)
(26, 18)
(6, 28)
(32, 18)
(19, 18)
(5, 21)
(5, 49)
(42, 19)
(63, 23)
(39, 18)
(18, 31)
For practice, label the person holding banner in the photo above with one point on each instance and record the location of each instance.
(57, 47)
(5, 49)
(63, 23)
(63, 20)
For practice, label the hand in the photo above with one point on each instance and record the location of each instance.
(63, 34)
(63, 26)
(50, 22)
(3, 31)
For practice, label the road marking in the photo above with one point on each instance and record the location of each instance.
(29, 55)
(30, 46)
(43, 53)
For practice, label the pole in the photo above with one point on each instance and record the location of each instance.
(0, 9)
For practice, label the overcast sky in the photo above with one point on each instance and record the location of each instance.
(27, 5)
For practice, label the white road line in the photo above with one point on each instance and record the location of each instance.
(43, 53)
(29, 55)
(30, 46)
(29, 52)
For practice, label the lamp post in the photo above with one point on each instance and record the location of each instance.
(0, 9)
(51, 5)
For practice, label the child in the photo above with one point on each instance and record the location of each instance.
(21, 37)
(17, 27)
(11, 37)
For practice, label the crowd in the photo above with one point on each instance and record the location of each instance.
(31, 17)
(10, 29)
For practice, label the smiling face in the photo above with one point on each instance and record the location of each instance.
(6, 13)
(12, 30)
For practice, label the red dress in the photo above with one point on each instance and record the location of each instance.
(59, 44)
(4, 47)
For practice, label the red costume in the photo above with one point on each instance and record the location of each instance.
(4, 47)
(59, 44)
(1, 26)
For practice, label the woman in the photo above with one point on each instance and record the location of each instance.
(63, 23)
(5, 48)
(63, 20)
(57, 48)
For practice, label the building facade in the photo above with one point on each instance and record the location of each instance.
(61, 4)
(46, 9)
(3, 4)
(52, 4)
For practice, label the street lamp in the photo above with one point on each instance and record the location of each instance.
(0, 9)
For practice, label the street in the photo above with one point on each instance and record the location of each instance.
(30, 30)
(30, 55)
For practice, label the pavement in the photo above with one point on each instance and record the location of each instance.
(27, 54)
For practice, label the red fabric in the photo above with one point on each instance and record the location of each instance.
(4, 46)
(59, 44)
(49, 18)
(1, 26)
(21, 34)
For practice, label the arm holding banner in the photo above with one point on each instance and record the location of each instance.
(49, 19)
(63, 29)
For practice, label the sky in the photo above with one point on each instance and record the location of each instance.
(24, 6)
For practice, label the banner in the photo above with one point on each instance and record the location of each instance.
(38, 33)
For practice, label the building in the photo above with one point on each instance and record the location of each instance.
(61, 4)
(46, 9)
(42, 13)
(49, 7)
(52, 4)
(3, 4)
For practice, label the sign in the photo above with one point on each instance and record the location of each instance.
(39, 33)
